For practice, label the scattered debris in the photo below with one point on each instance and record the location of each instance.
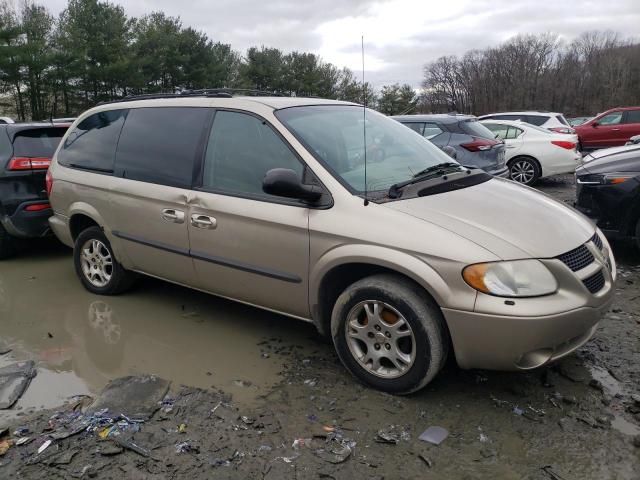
(14, 380)
(392, 435)
(4, 347)
(44, 446)
(550, 473)
(5, 445)
(435, 435)
(426, 460)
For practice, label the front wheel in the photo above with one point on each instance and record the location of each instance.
(96, 265)
(524, 170)
(389, 333)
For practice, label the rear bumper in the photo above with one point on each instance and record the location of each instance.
(26, 224)
(496, 342)
(60, 226)
(501, 172)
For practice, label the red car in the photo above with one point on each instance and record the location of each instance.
(609, 129)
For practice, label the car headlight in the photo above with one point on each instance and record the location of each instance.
(519, 278)
(607, 178)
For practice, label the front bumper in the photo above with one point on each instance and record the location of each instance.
(26, 224)
(497, 342)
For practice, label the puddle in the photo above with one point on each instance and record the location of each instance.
(81, 341)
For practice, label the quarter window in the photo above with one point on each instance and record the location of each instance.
(431, 130)
(633, 116)
(160, 145)
(417, 127)
(241, 150)
(92, 143)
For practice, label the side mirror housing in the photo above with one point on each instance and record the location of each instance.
(594, 124)
(284, 182)
(450, 151)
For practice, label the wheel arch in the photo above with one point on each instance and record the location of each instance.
(345, 265)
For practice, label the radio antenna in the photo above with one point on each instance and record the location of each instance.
(364, 125)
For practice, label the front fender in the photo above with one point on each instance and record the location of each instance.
(402, 262)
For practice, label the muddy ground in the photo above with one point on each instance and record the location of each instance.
(266, 398)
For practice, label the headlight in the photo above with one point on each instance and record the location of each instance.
(606, 178)
(519, 278)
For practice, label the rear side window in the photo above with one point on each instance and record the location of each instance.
(92, 143)
(633, 116)
(37, 142)
(536, 119)
(507, 117)
(475, 128)
(562, 120)
(160, 145)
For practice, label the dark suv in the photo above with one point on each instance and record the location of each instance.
(474, 144)
(25, 154)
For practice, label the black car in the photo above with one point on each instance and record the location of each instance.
(474, 144)
(25, 154)
(608, 190)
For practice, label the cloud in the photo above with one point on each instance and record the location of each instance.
(400, 35)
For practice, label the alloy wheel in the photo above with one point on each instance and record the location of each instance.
(380, 339)
(97, 263)
(523, 171)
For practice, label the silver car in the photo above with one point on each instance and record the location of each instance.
(336, 215)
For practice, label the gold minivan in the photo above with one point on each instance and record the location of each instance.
(333, 214)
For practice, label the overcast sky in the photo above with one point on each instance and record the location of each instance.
(400, 35)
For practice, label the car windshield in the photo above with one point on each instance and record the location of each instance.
(335, 134)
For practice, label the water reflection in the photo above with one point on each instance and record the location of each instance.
(185, 336)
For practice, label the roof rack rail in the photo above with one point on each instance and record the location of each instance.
(202, 92)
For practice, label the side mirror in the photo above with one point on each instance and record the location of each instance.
(284, 182)
(595, 124)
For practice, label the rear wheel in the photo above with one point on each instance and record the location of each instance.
(524, 170)
(7, 244)
(389, 333)
(96, 265)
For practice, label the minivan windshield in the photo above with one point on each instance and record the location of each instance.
(335, 135)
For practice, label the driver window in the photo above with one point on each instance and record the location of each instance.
(241, 150)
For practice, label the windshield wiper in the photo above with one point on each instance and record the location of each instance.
(429, 172)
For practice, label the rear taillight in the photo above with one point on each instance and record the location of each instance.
(49, 182)
(479, 144)
(28, 163)
(562, 130)
(564, 144)
(37, 207)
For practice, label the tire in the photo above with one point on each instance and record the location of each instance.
(524, 170)
(398, 300)
(105, 278)
(7, 244)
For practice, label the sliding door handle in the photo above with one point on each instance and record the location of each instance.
(203, 221)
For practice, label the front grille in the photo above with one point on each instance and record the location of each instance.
(577, 259)
(597, 241)
(595, 282)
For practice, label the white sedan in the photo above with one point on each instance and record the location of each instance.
(534, 152)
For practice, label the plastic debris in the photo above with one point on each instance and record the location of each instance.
(426, 460)
(182, 428)
(5, 445)
(20, 431)
(186, 447)
(130, 445)
(44, 446)
(392, 435)
(517, 410)
(550, 473)
(336, 450)
(23, 440)
(483, 438)
(434, 435)
(247, 420)
(300, 442)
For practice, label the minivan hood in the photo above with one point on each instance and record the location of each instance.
(508, 219)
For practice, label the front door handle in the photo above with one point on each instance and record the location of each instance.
(203, 221)
(173, 215)
(615, 129)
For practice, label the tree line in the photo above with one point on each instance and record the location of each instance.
(93, 52)
(594, 72)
